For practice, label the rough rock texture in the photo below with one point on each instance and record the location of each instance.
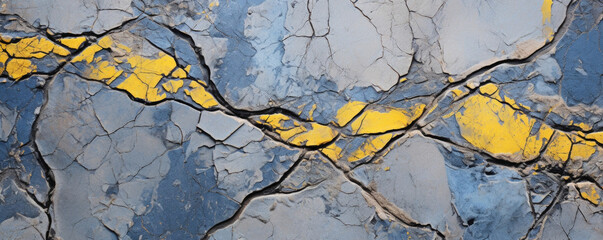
(316, 119)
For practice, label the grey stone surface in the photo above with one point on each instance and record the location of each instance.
(116, 180)
(18, 105)
(483, 33)
(573, 218)
(156, 125)
(412, 176)
(476, 192)
(20, 216)
(95, 16)
(218, 125)
(332, 208)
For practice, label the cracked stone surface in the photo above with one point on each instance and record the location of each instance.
(316, 119)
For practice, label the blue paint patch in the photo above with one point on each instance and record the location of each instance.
(477, 195)
(580, 56)
(187, 203)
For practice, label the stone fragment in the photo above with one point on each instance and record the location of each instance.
(218, 125)
(20, 216)
(154, 175)
(413, 177)
(327, 203)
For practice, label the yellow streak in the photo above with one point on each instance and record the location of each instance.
(559, 147)
(200, 95)
(597, 136)
(146, 75)
(3, 59)
(592, 195)
(34, 47)
(546, 11)
(375, 121)
(347, 112)
(370, 147)
(500, 130)
(179, 73)
(73, 43)
(17, 68)
(582, 149)
(172, 86)
(298, 133)
(488, 89)
(311, 113)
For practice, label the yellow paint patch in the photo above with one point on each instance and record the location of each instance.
(511, 102)
(451, 79)
(179, 73)
(375, 121)
(315, 135)
(311, 113)
(172, 86)
(525, 107)
(546, 11)
(29, 48)
(348, 111)
(332, 151)
(103, 71)
(433, 108)
(591, 195)
(34, 47)
(597, 136)
(386, 168)
(3, 59)
(582, 126)
(213, 4)
(370, 147)
(534, 143)
(500, 130)
(146, 75)
(87, 54)
(22, 51)
(105, 42)
(458, 93)
(559, 148)
(548, 32)
(402, 80)
(582, 149)
(73, 43)
(200, 95)
(488, 89)
(61, 51)
(546, 18)
(296, 133)
(17, 68)
(124, 47)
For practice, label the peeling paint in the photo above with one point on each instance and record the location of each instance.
(591, 195)
(298, 133)
(346, 113)
(73, 42)
(500, 130)
(379, 121)
(201, 96)
(172, 86)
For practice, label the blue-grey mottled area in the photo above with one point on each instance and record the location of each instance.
(95, 144)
